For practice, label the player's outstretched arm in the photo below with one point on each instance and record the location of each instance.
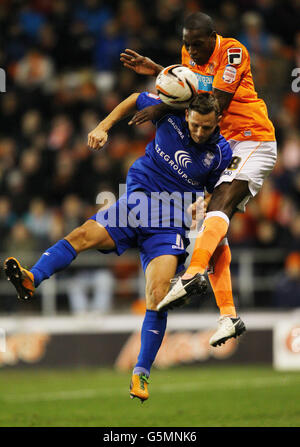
(224, 98)
(98, 137)
(151, 113)
(140, 64)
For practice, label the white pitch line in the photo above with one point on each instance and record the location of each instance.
(178, 388)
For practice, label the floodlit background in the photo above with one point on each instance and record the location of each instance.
(63, 75)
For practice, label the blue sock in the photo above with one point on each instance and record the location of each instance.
(153, 331)
(56, 258)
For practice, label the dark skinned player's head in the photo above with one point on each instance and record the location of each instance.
(199, 37)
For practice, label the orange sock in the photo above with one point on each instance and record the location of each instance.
(213, 230)
(220, 279)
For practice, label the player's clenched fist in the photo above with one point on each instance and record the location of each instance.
(97, 138)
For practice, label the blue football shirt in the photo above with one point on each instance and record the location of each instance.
(173, 161)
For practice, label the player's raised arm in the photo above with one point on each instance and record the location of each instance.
(140, 64)
(224, 98)
(98, 137)
(151, 113)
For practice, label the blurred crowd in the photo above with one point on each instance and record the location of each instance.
(64, 75)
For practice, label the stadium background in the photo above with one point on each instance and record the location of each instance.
(63, 75)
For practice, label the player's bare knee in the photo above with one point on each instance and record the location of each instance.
(155, 293)
(78, 238)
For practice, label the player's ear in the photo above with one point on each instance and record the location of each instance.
(187, 115)
(219, 119)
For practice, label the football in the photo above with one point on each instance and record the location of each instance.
(176, 85)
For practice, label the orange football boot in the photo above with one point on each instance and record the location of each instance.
(139, 387)
(21, 278)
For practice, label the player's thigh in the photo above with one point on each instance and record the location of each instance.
(158, 274)
(90, 235)
(251, 163)
(227, 196)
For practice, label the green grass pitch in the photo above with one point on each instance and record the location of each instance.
(219, 396)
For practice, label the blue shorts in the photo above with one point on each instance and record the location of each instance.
(152, 241)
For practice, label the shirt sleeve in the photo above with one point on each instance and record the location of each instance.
(225, 159)
(147, 99)
(235, 61)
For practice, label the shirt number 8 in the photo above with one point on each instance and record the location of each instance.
(235, 161)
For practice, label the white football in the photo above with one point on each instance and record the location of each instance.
(176, 85)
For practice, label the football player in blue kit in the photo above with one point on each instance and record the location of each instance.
(186, 155)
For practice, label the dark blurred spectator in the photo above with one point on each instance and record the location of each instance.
(287, 289)
(110, 43)
(39, 221)
(253, 36)
(294, 229)
(267, 234)
(64, 180)
(242, 231)
(94, 14)
(21, 243)
(100, 283)
(31, 124)
(7, 156)
(60, 133)
(30, 21)
(229, 19)
(34, 175)
(72, 209)
(10, 113)
(16, 190)
(35, 69)
(7, 218)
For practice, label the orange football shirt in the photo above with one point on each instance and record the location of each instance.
(228, 69)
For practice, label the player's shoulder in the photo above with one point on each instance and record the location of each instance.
(233, 50)
(224, 147)
(229, 42)
(176, 121)
(148, 96)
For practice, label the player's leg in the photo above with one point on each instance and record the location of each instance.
(251, 163)
(224, 201)
(223, 204)
(158, 275)
(242, 179)
(56, 258)
(230, 325)
(220, 278)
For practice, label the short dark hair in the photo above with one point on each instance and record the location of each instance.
(199, 20)
(205, 103)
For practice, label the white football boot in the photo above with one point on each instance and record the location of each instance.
(182, 290)
(229, 327)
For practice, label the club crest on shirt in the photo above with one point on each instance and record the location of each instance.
(208, 159)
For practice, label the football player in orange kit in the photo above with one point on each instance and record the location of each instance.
(222, 66)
